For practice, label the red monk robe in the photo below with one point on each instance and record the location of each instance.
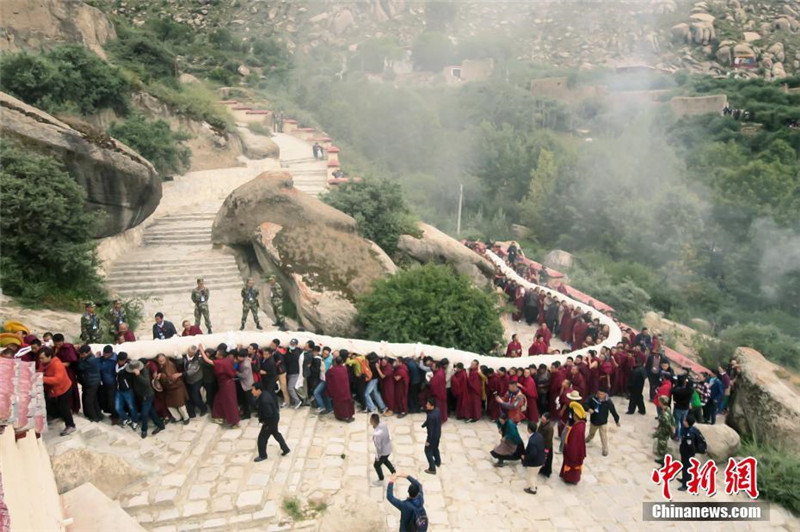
(619, 384)
(593, 381)
(160, 399)
(338, 386)
(492, 391)
(387, 385)
(606, 372)
(574, 452)
(401, 383)
(538, 347)
(193, 330)
(503, 384)
(528, 387)
(541, 308)
(474, 394)
(225, 405)
(554, 389)
(566, 326)
(458, 385)
(519, 303)
(438, 386)
(514, 349)
(546, 335)
(579, 333)
(68, 355)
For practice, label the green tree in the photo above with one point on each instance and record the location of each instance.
(373, 54)
(432, 51)
(431, 304)
(155, 141)
(48, 252)
(64, 77)
(543, 180)
(379, 208)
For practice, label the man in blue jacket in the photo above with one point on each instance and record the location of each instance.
(108, 383)
(89, 372)
(412, 510)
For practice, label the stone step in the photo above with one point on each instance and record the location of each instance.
(210, 214)
(179, 228)
(147, 289)
(167, 276)
(177, 239)
(158, 270)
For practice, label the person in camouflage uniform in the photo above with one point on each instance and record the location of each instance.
(117, 315)
(250, 303)
(276, 299)
(200, 299)
(665, 429)
(91, 331)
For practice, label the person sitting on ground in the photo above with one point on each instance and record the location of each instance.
(510, 446)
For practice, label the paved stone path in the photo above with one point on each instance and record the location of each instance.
(204, 477)
(176, 247)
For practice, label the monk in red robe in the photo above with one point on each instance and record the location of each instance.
(593, 374)
(438, 387)
(190, 330)
(528, 386)
(225, 406)
(574, 445)
(578, 380)
(566, 325)
(606, 372)
(519, 303)
(160, 399)
(338, 386)
(502, 381)
(474, 392)
(68, 355)
(514, 348)
(538, 347)
(546, 333)
(557, 375)
(386, 374)
(401, 384)
(458, 385)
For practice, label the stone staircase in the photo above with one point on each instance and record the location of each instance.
(308, 174)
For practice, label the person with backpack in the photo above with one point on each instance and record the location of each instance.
(193, 375)
(692, 443)
(413, 517)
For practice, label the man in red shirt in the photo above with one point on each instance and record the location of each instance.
(514, 348)
(189, 329)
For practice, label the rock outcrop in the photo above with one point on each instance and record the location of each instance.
(723, 442)
(32, 25)
(120, 184)
(258, 146)
(766, 404)
(558, 259)
(313, 248)
(110, 474)
(437, 247)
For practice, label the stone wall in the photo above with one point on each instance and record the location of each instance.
(698, 105)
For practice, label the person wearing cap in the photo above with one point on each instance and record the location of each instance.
(666, 426)
(599, 406)
(200, 299)
(574, 445)
(145, 395)
(117, 317)
(250, 303)
(91, 331)
(276, 300)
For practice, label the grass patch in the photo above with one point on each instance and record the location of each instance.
(196, 102)
(260, 129)
(298, 511)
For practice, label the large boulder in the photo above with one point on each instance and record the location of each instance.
(31, 25)
(110, 474)
(723, 442)
(314, 249)
(120, 184)
(767, 403)
(434, 246)
(258, 146)
(558, 259)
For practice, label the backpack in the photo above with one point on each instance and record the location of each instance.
(700, 445)
(419, 520)
(366, 372)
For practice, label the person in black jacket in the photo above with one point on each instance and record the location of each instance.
(598, 407)
(681, 397)
(269, 415)
(433, 422)
(268, 371)
(688, 448)
(125, 404)
(636, 389)
(546, 430)
(533, 458)
(163, 329)
(144, 393)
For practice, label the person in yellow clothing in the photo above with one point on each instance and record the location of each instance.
(574, 445)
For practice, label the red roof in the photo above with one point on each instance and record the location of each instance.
(240, 108)
(333, 149)
(321, 139)
(257, 112)
(289, 121)
(305, 129)
(333, 163)
(586, 299)
(228, 102)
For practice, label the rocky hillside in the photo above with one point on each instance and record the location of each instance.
(703, 36)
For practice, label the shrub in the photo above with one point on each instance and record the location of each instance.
(778, 473)
(144, 55)
(156, 142)
(432, 51)
(433, 305)
(48, 248)
(64, 77)
(379, 208)
(194, 101)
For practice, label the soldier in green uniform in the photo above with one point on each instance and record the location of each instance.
(276, 299)
(665, 429)
(91, 332)
(250, 303)
(117, 315)
(200, 299)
